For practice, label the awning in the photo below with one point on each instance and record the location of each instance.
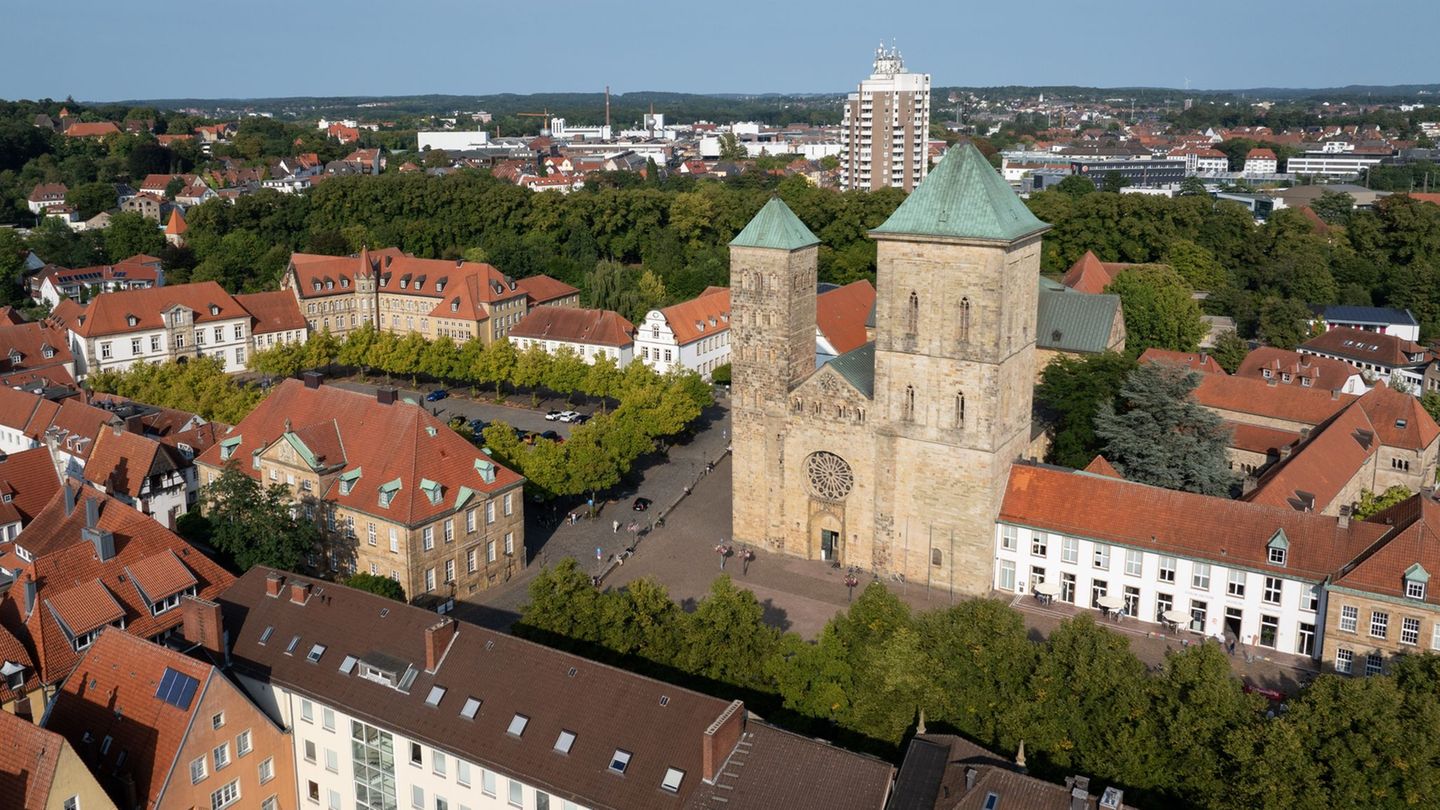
(1047, 589)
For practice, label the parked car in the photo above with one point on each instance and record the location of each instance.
(641, 504)
(552, 416)
(570, 416)
(552, 436)
(477, 425)
(437, 395)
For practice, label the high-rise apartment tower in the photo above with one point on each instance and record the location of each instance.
(886, 127)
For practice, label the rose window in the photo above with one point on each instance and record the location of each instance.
(830, 476)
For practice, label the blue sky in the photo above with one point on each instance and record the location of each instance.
(110, 50)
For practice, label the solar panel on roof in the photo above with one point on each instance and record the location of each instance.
(177, 689)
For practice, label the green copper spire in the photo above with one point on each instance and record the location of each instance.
(963, 197)
(776, 226)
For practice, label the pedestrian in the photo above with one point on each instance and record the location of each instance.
(1230, 646)
(725, 435)
(615, 527)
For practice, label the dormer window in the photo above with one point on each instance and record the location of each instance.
(1265, 373)
(1278, 549)
(344, 282)
(455, 305)
(132, 320)
(1416, 580)
(387, 493)
(15, 357)
(329, 284)
(432, 490)
(214, 310)
(316, 285)
(48, 351)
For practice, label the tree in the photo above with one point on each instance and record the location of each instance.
(175, 186)
(1156, 433)
(1371, 504)
(1159, 310)
(91, 198)
(1076, 185)
(1230, 350)
(730, 147)
(1430, 401)
(1335, 208)
(1196, 265)
(1192, 186)
(1070, 393)
(720, 375)
(130, 233)
(254, 525)
(727, 637)
(1113, 181)
(376, 584)
(1284, 322)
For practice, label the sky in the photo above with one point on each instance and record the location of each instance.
(112, 50)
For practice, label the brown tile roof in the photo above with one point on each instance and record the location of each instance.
(1399, 419)
(121, 461)
(108, 314)
(84, 607)
(67, 314)
(1195, 361)
(570, 325)
(1322, 372)
(155, 420)
(88, 130)
(1258, 438)
(543, 289)
(48, 192)
(1318, 470)
(1367, 347)
(1308, 406)
(1413, 539)
(690, 320)
(1101, 466)
(784, 770)
(417, 446)
(661, 725)
(276, 311)
(56, 376)
(1181, 523)
(946, 772)
(14, 652)
(113, 693)
(1090, 275)
(63, 560)
(841, 313)
(29, 480)
(28, 757)
(161, 575)
(26, 413)
(127, 271)
(28, 343)
(76, 426)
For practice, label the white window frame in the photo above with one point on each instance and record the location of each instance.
(1349, 618)
(1200, 577)
(1379, 621)
(1069, 550)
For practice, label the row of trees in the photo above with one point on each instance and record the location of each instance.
(598, 453)
(1183, 735)
(199, 385)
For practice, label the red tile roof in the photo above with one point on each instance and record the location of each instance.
(691, 320)
(599, 327)
(1368, 347)
(14, 652)
(28, 343)
(176, 226)
(544, 289)
(1317, 472)
(1090, 275)
(87, 130)
(26, 413)
(1414, 538)
(1195, 361)
(841, 313)
(76, 426)
(1260, 439)
(84, 607)
(1260, 153)
(1323, 372)
(1399, 419)
(1181, 523)
(121, 461)
(1100, 466)
(114, 694)
(161, 576)
(108, 314)
(276, 311)
(62, 560)
(28, 757)
(29, 480)
(49, 192)
(417, 446)
(1308, 406)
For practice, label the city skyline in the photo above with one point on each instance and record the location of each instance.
(446, 50)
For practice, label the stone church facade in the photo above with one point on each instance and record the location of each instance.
(893, 457)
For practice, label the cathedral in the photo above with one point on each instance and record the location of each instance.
(893, 457)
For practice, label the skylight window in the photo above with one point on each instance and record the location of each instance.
(315, 653)
(348, 665)
(672, 780)
(294, 642)
(267, 633)
(471, 708)
(620, 761)
(564, 741)
(517, 725)
(437, 694)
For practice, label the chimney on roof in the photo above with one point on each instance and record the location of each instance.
(1079, 792)
(385, 396)
(1344, 518)
(299, 592)
(69, 499)
(92, 512)
(27, 583)
(200, 623)
(438, 637)
(274, 583)
(971, 775)
(720, 740)
(312, 379)
(1285, 451)
(135, 423)
(1112, 799)
(103, 541)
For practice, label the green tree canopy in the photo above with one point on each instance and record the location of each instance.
(1156, 433)
(255, 525)
(1069, 395)
(377, 584)
(1159, 310)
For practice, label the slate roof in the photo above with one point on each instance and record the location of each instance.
(1367, 347)
(963, 197)
(1075, 322)
(1200, 527)
(776, 227)
(858, 367)
(1378, 316)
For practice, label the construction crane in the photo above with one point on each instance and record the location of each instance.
(545, 115)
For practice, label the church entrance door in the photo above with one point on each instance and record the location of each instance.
(829, 544)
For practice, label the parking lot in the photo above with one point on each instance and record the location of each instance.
(516, 412)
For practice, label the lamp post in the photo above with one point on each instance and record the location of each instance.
(850, 583)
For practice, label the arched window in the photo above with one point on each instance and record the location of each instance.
(912, 314)
(908, 405)
(936, 557)
(964, 320)
(960, 410)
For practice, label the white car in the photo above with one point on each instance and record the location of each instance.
(570, 416)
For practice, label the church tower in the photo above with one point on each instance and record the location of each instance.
(772, 333)
(957, 285)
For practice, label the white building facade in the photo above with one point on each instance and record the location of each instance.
(1284, 613)
(694, 335)
(226, 340)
